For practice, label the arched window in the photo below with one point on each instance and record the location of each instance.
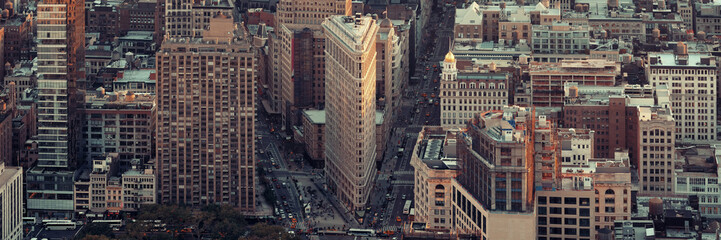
(473, 85)
(501, 86)
(482, 86)
(463, 85)
(440, 187)
(610, 191)
(491, 86)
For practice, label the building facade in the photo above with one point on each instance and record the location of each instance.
(119, 122)
(58, 76)
(213, 108)
(494, 187)
(11, 198)
(435, 165)
(548, 79)
(690, 79)
(350, 108)
(656, 133)
(465, 93)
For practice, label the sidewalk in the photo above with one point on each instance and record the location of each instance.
(350, 221)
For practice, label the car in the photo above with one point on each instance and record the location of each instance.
(428, 114)
(277, 186)
(398, 218)
(285, 203)
(433, 95)
(426, 123)
(282, 216)
(427, 68)
(290, 215)
(275, 179)
(403, 197)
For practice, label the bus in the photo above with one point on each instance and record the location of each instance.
(113, 223)
(361, 232)
(331, 232)
(59, 225)
(28, 220)
(407, 207)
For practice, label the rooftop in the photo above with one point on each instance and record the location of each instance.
(437, 149)
(140, 75)
(589, 66)
(472, 15)
(674, 60)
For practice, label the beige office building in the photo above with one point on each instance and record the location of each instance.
(350, 146)
(656, 133)
(11, 202)
(205, 139)
(435, 164)
(464, 93)
(692, 80)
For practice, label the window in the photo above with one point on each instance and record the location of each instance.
(556, 200)
(570, 211)
(569, 200)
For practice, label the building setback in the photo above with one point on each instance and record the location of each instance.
(205, 136)
(350, 107)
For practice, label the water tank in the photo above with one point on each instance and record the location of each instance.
(492, 67)
(573, 91)
(129, 97)
(681, 48)
(523, 59)
(612, 3)
(656, 33)
(655, 206)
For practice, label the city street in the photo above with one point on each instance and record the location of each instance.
(419, 107)
(294, 183)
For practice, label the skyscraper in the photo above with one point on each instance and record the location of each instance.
(297, 80)
(61, 63)
(350, 107)
(205, 131)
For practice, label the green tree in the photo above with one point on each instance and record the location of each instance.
(264, 231)
(96, 237)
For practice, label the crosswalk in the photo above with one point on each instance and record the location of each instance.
(390, 228)
(403, 173)
(402, 182)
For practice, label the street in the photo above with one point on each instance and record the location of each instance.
(420, 106)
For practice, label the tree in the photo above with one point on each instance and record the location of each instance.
(96, 237)
(264, 231)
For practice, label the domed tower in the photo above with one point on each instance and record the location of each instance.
(449, 68)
